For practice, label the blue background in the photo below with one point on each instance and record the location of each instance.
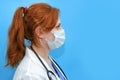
(92, 47)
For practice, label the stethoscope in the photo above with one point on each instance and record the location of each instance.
(50, 74)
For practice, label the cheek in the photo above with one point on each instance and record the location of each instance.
(50, 36)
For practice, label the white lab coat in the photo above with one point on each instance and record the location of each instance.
(30, 68)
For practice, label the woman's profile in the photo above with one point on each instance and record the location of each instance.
(40, 24)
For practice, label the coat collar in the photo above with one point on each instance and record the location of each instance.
(34, 58)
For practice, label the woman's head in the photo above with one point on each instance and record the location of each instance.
(29, 23)
(41, 16)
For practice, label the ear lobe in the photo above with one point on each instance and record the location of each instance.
(38, 32)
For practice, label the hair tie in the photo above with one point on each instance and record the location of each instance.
(25, 10)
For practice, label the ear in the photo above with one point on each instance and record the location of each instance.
(39, 32)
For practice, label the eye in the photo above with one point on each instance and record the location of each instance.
(58, 25)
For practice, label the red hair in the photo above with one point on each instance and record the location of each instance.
(23, 27)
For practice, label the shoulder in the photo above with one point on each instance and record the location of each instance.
(29, 70)
(29, 76)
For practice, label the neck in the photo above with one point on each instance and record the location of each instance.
(42, 51)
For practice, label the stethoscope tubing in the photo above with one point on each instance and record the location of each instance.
(46, 67)
(43, 64)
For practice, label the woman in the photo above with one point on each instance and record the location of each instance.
(40, 24)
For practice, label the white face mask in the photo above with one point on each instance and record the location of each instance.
(59, 39)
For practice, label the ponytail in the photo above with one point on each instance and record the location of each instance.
(16, 47)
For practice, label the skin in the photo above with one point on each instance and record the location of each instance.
(43, 37)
